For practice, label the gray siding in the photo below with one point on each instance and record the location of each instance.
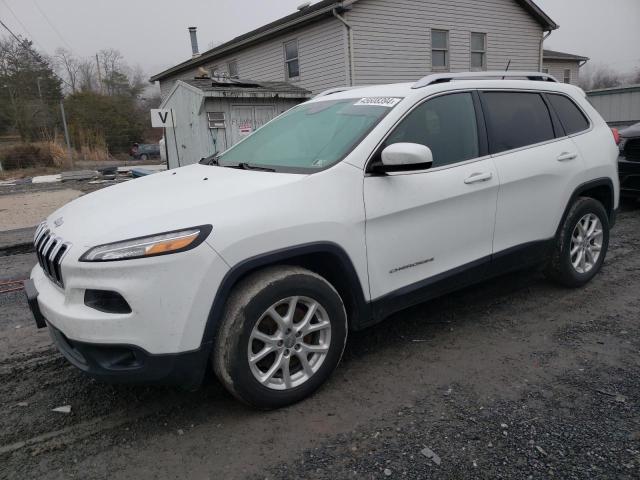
(620, 107)
(557, 68)
(321, 54)
(392, 38)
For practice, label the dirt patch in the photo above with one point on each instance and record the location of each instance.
(24, 210)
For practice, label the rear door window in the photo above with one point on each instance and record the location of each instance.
(445, 124)
(571, 117)
(516, 119)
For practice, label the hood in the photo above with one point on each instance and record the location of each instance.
(180, 198)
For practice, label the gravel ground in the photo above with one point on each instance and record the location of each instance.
(514, 378)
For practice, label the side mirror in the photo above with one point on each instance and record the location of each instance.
(401, 157)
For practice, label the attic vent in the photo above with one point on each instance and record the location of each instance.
(303, 6)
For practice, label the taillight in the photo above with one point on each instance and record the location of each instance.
(616, 135)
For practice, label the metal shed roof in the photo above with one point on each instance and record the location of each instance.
(232, 87)
(239, 88)
(307, 15)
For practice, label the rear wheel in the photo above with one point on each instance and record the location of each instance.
(581, 245)
(282, 335)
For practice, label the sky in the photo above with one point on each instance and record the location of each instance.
(153, 33)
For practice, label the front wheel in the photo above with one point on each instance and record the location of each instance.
(581, 245)
(283, 334)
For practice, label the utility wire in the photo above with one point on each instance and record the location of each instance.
(22, 25)
(52, 25)
(31, 52)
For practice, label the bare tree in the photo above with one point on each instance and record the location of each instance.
(601, 76)
(68, 67)
(87, 80)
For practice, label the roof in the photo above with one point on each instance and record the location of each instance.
(313, 13)
(236, 88)
(555, 55)
(612, 90)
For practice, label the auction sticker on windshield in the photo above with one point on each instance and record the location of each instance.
(379, 101)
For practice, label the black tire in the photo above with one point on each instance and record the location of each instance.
(249, 300)
(560, 267)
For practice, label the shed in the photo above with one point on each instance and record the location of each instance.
(619, 106)
(212, 114)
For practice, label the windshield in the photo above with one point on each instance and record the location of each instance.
(311, 136)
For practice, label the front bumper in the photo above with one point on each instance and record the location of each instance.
(131, 364)
(629, 174)
(169, 296)
(115, 363)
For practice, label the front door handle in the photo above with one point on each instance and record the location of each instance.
(478, 177)
(564, 156)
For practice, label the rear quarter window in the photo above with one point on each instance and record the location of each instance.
(571, 117)
(516, 119)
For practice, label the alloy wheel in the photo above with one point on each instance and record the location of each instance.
(586, 243)
(289, 343)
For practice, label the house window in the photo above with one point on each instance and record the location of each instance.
(545, 70)
(478, 51)
(440, 49)
(292, 67)
(215, 120)
(567, 76)
(232, 66)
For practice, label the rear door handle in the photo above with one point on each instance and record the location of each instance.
(563, 157)
(478, 177)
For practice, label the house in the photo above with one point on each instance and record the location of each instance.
(359, 42)
(564, 66)
(619, 106)
(211, 114)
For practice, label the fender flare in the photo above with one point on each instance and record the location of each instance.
(235, 273)
(598, 182)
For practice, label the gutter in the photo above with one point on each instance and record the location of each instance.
(544, 37)
(351, 68)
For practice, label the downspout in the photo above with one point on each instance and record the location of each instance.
(352, 73)
(542, 48)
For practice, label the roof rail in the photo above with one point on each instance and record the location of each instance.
(335, 90)
(448, 77)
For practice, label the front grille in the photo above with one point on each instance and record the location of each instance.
(632, 149)
(50, 251)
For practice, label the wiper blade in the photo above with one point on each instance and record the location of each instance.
(248, 166)
(210, 160)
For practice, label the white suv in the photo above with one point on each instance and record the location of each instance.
(334, 215)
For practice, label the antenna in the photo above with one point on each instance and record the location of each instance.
(508, 65)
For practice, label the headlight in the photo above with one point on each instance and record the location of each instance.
(151, 246)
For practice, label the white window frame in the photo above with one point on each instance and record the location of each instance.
(287, 61)
(483, 67)
(447, 62)
(545, 70)
(565, 78)
(233, 62)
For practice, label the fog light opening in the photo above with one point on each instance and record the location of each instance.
(106, 301)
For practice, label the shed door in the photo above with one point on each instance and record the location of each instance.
(246, 119)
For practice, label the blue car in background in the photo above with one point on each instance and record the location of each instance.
(145, 151)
